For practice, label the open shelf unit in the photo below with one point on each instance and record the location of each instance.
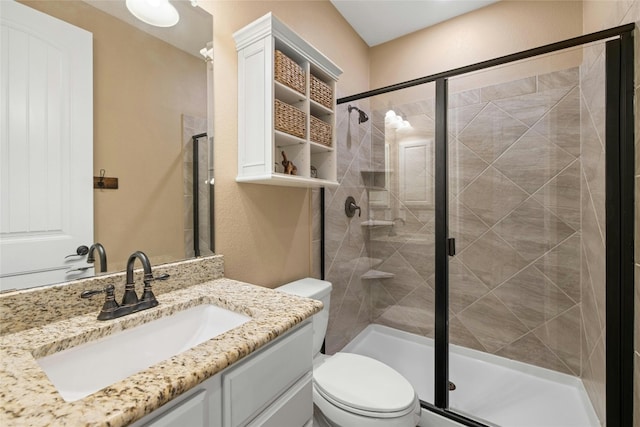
(260, 141)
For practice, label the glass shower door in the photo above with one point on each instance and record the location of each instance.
(526, 207)
(394, 268)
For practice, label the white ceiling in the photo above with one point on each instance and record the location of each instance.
(378, 21)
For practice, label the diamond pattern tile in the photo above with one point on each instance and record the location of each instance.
(561, 125)
(491, 322)
(532, 230)
(562, 336)
(561, 195)
(530, 349)
(492, 260)
(562, 266)
(464, 166)
(464, 287)
(492, 196)
(530, 108)
(491, 132)
(532, 161)
(464, 225)
(533, 298)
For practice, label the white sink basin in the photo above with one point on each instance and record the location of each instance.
(79, 371)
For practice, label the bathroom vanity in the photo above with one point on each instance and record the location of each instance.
(258, 373)
(271, 387)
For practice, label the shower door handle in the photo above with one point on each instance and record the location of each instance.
(451, 246)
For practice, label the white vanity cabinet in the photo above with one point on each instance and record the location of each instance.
(270, 387)
(266, 100)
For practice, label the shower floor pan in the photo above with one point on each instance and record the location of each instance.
(491, 389)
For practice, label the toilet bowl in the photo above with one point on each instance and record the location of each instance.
(349, 389)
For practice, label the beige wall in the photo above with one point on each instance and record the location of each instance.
(264, 231)
(142, 86)
(499, 29)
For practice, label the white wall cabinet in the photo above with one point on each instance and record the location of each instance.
(270, 387)
(260, 142)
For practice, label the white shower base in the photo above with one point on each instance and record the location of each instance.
(492, 389)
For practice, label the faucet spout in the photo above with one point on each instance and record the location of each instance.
(102, 255)
(146, 266)
(130, 297)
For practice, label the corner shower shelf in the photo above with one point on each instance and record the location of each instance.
(376, 223)
(260, 145)
(376, 274)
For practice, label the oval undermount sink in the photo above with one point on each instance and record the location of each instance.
(79, 371)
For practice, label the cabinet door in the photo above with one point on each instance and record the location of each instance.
(255, 104)
(190, 412)
(294, 408)
(255, 383)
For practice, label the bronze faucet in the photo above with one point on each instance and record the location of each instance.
(130, 302)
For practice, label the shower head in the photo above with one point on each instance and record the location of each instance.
(362, 116)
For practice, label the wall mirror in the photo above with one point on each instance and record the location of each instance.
(152, 97)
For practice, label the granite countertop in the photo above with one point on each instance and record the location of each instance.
(27, 397)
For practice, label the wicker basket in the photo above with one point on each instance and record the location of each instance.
(289, 73)
(320, 132)
(321, 92)
(289, 119)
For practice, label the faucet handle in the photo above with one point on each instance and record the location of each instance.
(110, 303)
(109, 290)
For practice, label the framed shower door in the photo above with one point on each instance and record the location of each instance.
(500, 217)
(534, 194)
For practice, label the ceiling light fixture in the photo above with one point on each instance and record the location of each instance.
(159, 13)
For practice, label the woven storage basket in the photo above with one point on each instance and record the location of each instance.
(321, 92)
(288, 72)
(289, 119)
(320, 132)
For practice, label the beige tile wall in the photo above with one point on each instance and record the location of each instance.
(592, 176)
(512, 291)
(345, 254)
(350, 310)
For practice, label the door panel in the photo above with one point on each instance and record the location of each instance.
(47, 147)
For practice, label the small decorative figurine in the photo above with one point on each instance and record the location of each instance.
(289, 167)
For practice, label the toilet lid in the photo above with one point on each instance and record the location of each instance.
(358, 382)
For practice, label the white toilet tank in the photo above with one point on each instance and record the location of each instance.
(315, 289)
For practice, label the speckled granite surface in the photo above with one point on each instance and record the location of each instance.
(29, 308)
(27, 398)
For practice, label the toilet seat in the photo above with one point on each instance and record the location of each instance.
(364, 386)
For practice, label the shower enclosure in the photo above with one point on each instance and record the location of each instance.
(492, 264)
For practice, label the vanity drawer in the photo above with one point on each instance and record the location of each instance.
(252, 385)
(293, 408)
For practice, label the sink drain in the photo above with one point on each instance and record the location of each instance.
(452, 386)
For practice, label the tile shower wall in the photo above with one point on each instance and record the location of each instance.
(515, 210)
(345, 254)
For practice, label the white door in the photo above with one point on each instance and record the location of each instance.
(46, 138)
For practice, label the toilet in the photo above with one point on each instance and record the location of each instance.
(351, 390)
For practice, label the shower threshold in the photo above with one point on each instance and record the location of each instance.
(492, 389)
